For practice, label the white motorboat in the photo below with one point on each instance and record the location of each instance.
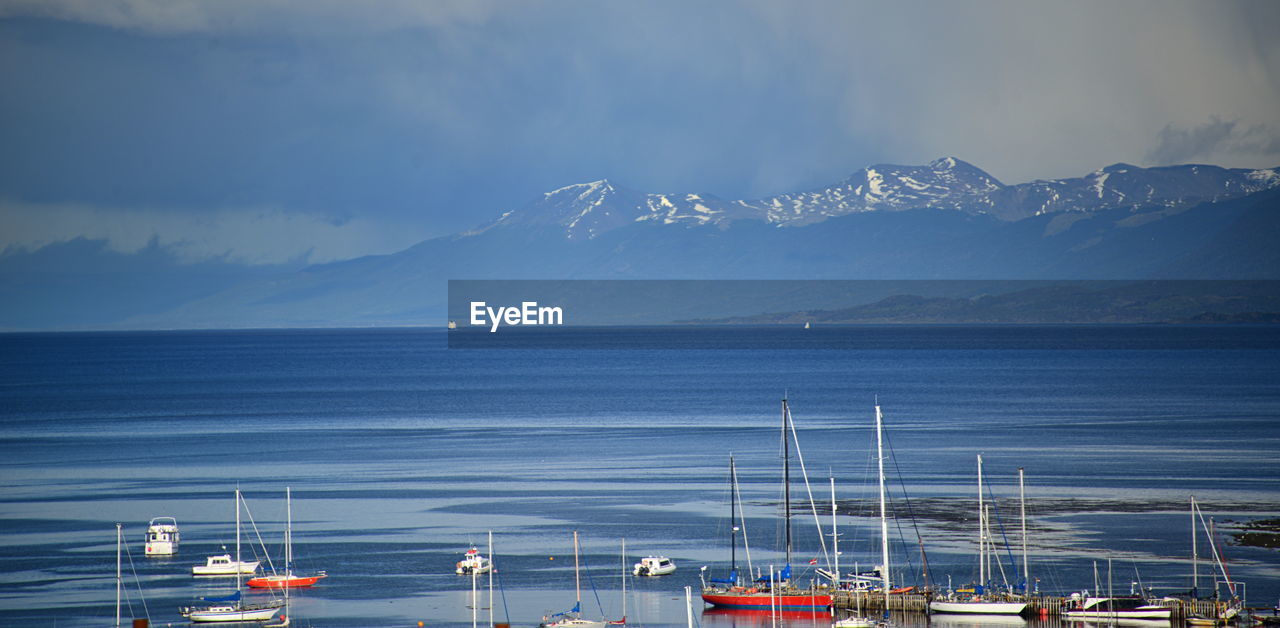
(976, 606)
(473, 562)
(654, 566)
(224, 566)
(162, 537)
(1126, 607)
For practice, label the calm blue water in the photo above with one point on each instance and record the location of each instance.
(401, 453)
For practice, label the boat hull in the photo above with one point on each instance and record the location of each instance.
(283, 582)
(978, 608)
(764, 601)
(1139, 613)
(215, 614)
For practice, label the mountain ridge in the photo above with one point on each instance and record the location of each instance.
(587, 210)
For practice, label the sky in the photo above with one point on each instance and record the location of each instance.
(265, 131)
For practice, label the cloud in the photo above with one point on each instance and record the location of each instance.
(177, 17)
(247, 236)
(1213, 139)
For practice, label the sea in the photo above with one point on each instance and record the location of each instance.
(401, 453)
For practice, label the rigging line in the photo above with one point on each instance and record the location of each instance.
(812, 505)
(915, 526)
(742, 517)
(254, 525)
(138, 583)
(1000, 524)
(591, 582)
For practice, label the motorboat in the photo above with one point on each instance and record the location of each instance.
(473, 562)
(224, 566)
(162, 537)
(1119, 607)
(654, 566)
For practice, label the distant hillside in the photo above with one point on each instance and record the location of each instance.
(1098, 302)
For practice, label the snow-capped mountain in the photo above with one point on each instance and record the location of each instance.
(586, 210)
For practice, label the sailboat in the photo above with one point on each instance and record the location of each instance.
(977, 604)
(288, 579)
(774, 592)
(231, 607)
(572, 618)
(859, 620)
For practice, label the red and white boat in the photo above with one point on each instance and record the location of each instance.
(288, 579)
(776, 591)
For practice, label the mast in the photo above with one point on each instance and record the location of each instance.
(835, 538)
(1195, 558)
(1022, 506)
(577, 583)
(733, 519)
(238, 542)
(119, 576)
(982, 531)
(786, 476)
(491, 568)
(288, 534)
(624, 582)
(884, 521)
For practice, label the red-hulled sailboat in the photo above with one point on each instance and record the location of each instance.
(770, 592)
(288, 579)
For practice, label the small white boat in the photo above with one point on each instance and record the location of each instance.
(473, 562)
(162, 537)
(654, 566)
(1117, 608)
(223, 566)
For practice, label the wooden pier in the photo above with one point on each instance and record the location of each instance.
(1037, 606)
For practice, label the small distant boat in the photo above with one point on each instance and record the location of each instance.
(654, 566)
(286, 580)
(1119, 607)
(162, 537)
(453, 325)
(473, 562)
(224, 566)
(806, 324)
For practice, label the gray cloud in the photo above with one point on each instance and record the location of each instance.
(1216, 138)
(443, 114)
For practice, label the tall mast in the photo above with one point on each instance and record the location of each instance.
(1195, 558)
(1022, 506)
(733, 518)
(982, 531)
(577, 583)
(624, 582)
(786, 475)
(884, 521)
(835, 538)
(238, 540)
(288, 533)
(491, 568)
(119, 576)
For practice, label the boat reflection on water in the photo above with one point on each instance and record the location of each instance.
(729, 617)
(976, 621)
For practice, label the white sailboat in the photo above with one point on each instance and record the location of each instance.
(978, 604)
(572, 618)
(120, 576)
(232, 607)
